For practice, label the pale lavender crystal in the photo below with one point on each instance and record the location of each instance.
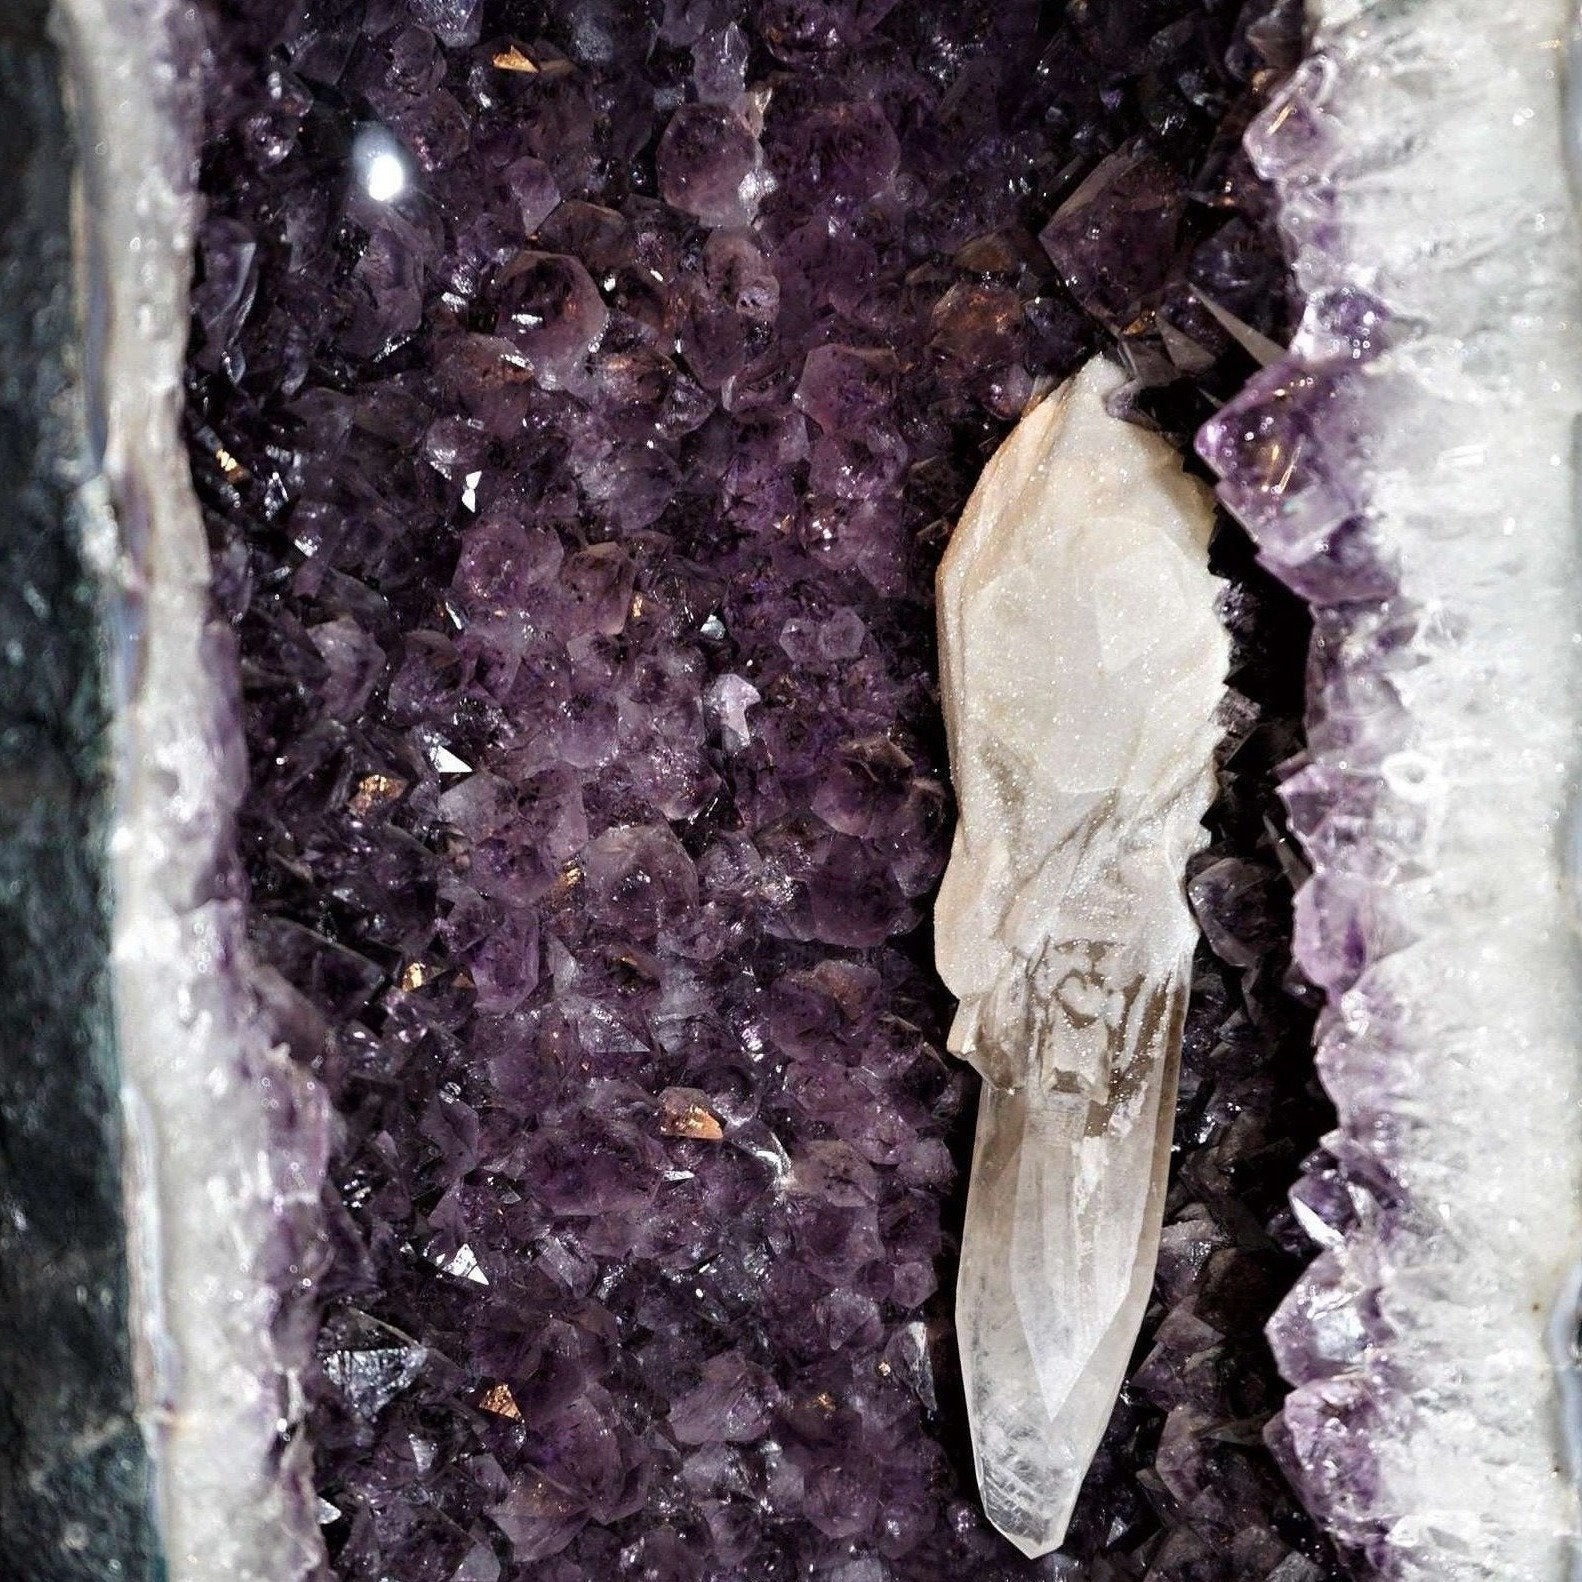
(710, 165)
(551, 311)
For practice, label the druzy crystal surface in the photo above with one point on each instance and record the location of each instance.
(1410, 469)
(1082, 663)
(580, 396)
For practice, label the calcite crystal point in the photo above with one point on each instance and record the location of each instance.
(1082, 664)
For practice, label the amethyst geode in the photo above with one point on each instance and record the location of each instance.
(575, 488)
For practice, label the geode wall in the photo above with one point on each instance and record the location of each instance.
(66, 1364)
(160, 1161)
(222, 1136)
(1409, 467)
(474, 1103)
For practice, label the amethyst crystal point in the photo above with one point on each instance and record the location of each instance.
(1409, 468)
(551, 310)
(710, 165)
(1113, 239)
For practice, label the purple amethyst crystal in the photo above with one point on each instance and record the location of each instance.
(1113, 240)
(578, 531)
(551, 311)
(710, 165)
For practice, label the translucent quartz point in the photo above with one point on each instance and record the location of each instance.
(1082, 664)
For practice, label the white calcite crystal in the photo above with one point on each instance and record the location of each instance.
(1082, 667)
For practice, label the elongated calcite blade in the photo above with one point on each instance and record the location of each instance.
(1410, 467)
(1082, 663)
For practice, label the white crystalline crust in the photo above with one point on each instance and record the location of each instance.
(225, 1138)
(1419, 160)
(1082, 664)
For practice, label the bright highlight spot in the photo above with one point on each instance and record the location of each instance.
(385, 177)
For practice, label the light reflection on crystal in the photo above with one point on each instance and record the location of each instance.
(380, 165)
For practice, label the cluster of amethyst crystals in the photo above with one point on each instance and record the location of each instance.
(575, 488)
